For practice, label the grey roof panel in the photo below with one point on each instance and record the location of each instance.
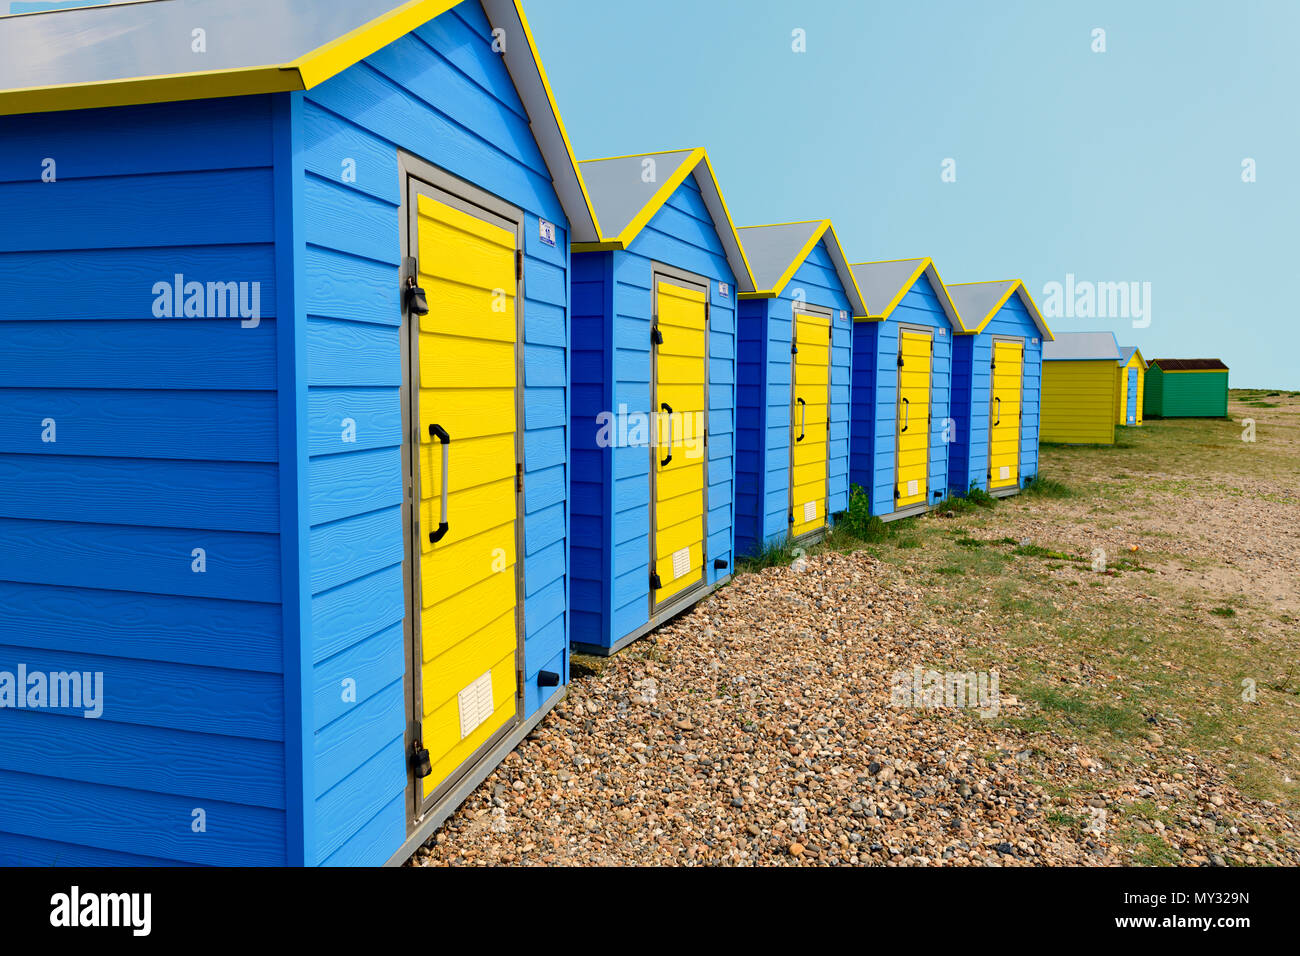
(771, 249)
(881, 281)
(1081, 347)
(618, 187)
(1126, 354)
(975, 300)
(153, 38)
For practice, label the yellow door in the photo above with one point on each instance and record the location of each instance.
(467, 424)
(809, 431)
(1004, 415)
(915, 354)
(680, 457)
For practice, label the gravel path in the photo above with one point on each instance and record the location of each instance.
(758, 729)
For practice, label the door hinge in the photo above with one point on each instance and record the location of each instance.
(655, 583)
(794, 350)
(790, 518)
(656, 337)
(519, 477)
(519, 263)
(519, 680)
(900, 361)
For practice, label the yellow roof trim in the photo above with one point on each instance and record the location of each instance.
(803, 254)
(555, 111)
(857, 290)
(661, 196)
(336, 56)
(688, 166)
(152, 89)
(731, 223)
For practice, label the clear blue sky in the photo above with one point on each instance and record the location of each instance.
(1123, 166)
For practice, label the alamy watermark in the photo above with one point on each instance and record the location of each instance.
(664, 428)
(1083, 299)
(179, 299)
(53, 690)
(933, 690)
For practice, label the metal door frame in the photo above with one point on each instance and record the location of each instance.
(686, 279)
(1020, 426)
(417, 176)
(919, 506)
(796, 309)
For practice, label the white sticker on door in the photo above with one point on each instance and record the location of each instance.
(912, 489)
(475, 704)
(681, 562)
(1004, 472)
(810, 511)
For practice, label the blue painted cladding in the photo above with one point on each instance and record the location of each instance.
(968, 466)
(875, 359)
(442, 94)
(763, 402)
(613, 303)
(155, 421)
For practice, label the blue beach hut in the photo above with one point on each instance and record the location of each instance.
(284, 454)
(902, 384)
(997, 379)
(653, 411)
(792, 395)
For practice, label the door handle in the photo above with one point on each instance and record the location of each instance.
(803, 419)
(907, 415)
(999, 420)
(440, 433)
(669, 409)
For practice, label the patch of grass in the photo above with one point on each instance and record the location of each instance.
(949, 570)
(1079, 711)
(1040, 487)
(1152, 851)
(968, 542)
(1037, 551)
(908, 542)
(779, 554)
(1224, 611)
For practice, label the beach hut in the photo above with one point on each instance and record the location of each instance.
(1186, 388)
(996, 387)
(1131, 379)
(284, 468)
(653, 411)
(1080, 388)
(902, 368)
(792, 393)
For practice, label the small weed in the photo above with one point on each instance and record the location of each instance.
(1036, 551)
(1224, 611)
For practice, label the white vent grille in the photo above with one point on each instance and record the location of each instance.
(475, 704)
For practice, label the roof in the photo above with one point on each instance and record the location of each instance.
(886, 283)
(978, 302)
(1189, 365)
(127, 53)
(625, 202)
(1082, 347)
(1127, 352)
(775, 253)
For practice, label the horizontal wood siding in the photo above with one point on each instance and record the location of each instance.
(1079, 402)
(751, 422)
(127, 441)
(591, 544)
(442, 94)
